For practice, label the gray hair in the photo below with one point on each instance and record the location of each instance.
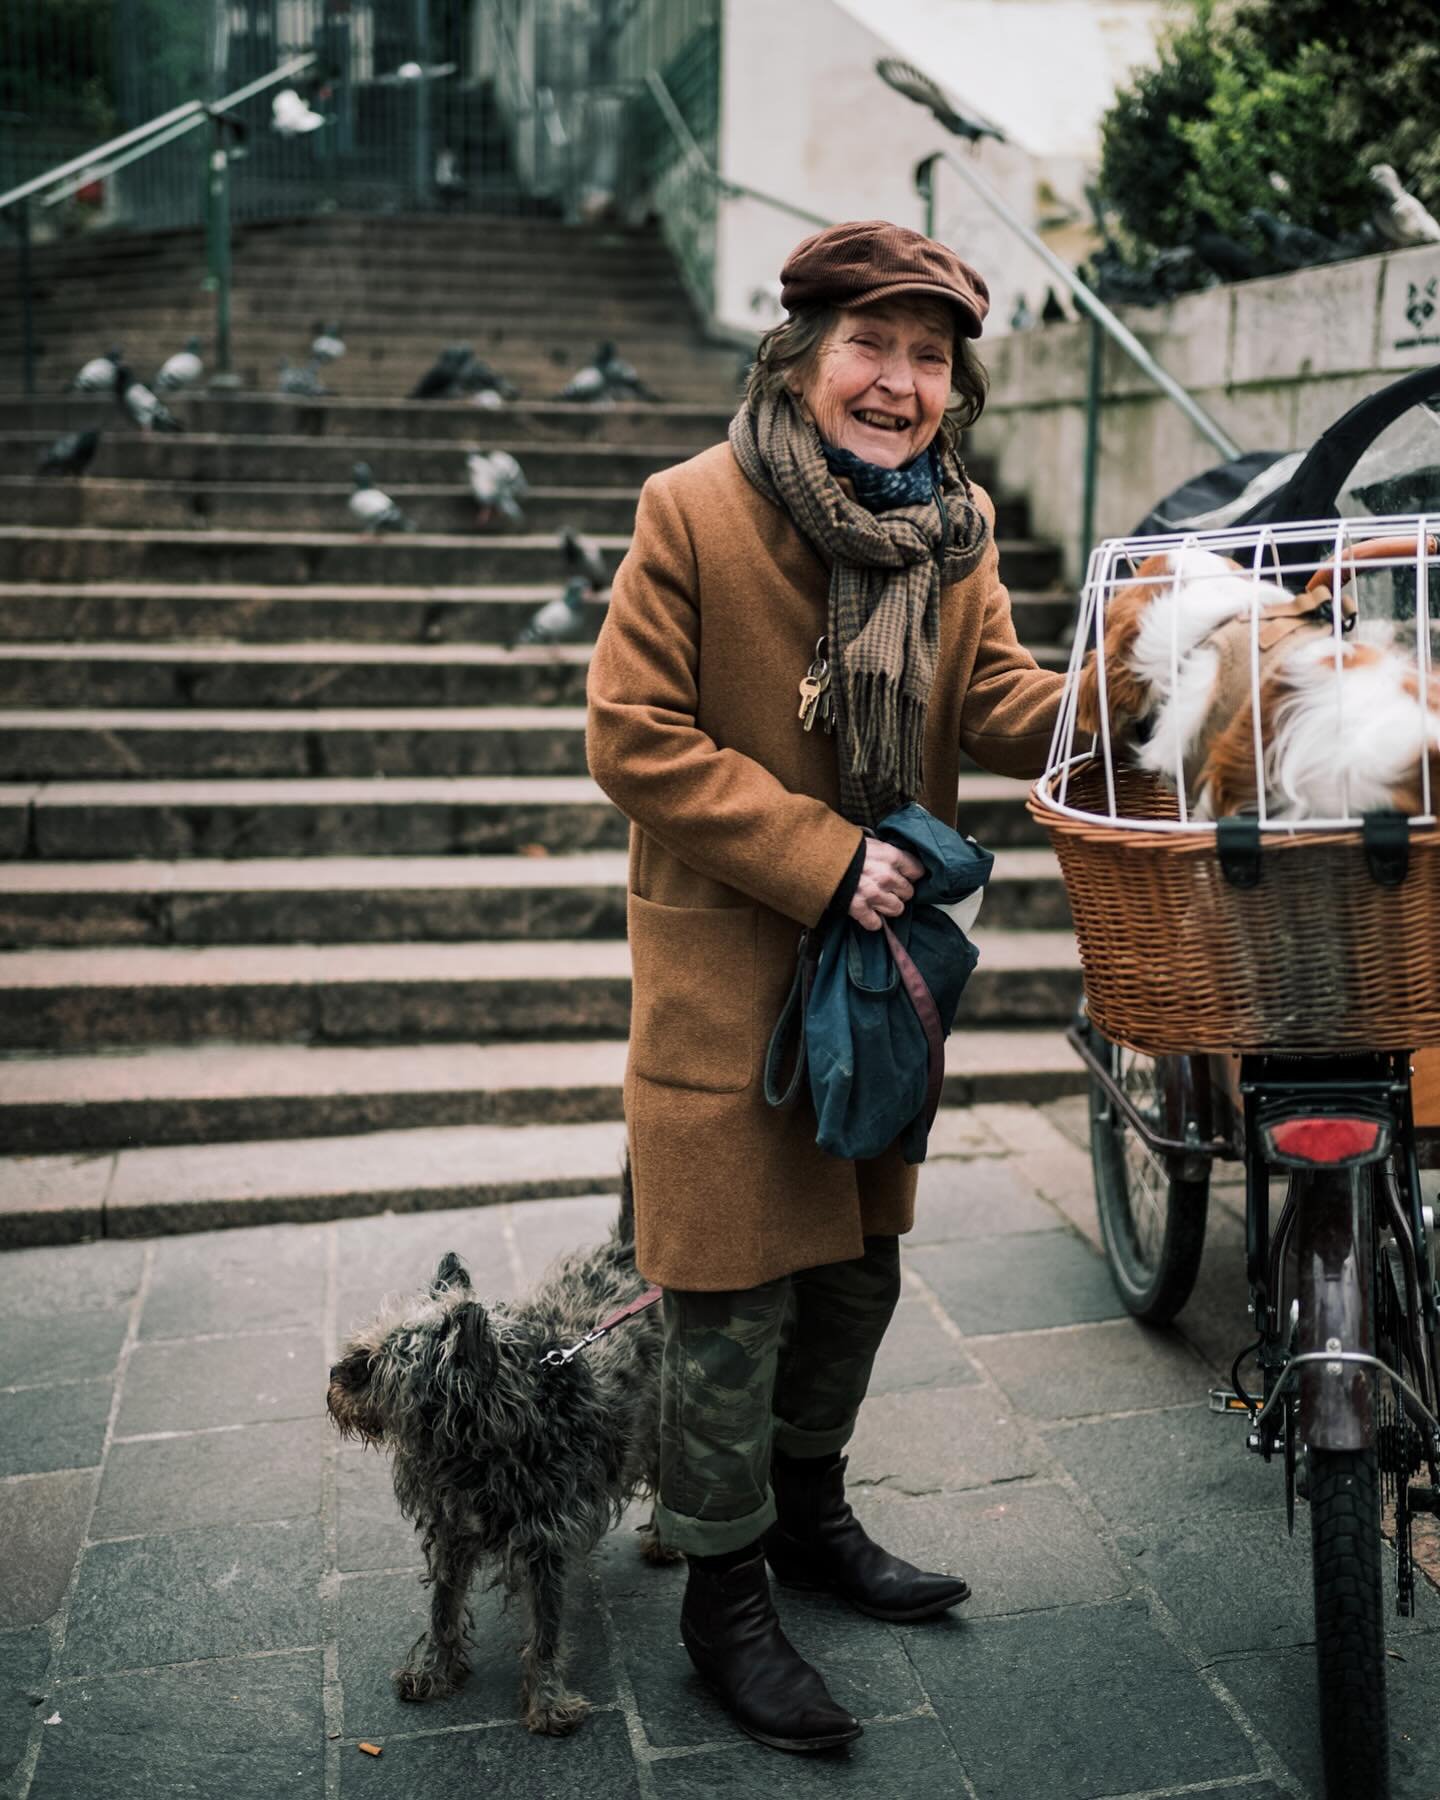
(789, 350)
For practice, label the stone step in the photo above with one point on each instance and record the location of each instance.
(89, 999)
(402, 816)
(354, 899)
(237, 1093)
(684, 428)
(460, 307)
(436, 509)
(83, 554)
(203, 1187)
(256, 367)
(212, 457)
(146, 612)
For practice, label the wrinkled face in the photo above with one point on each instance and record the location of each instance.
(879, 382)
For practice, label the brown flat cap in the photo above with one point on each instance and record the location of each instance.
(866, 260)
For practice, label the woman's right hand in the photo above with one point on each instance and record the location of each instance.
(886, 884)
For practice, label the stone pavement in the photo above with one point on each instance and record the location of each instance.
(202, 1590)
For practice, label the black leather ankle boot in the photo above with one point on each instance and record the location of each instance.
(729, 1627)
(817, 1542)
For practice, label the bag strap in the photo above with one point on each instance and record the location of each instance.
(791, 1023)
(929, 1016)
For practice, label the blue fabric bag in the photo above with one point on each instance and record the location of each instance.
(874, 1007)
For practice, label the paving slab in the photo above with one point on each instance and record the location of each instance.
(896, 1761)
(61, 1426)
(1120, 1366)
(251, 1729)
(371, 1532)
(1018, 1283)
(194, 1385)
(918, 1351)
(251, 1474)
(24, 1658)
(52, 1199)
(984, 1196)
(942, 1440)
(42, 1525)
(243, 1280)
(68, 1279)
(1143, 1467)
(505, 1762)
(194, 1595)
(60, 1346)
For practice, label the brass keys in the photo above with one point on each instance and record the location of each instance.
(817, 701)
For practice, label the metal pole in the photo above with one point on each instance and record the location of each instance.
(1093, 380)
(217, 223)
(422, 103)
(925, 188)
(1092, 304)
(27, 298)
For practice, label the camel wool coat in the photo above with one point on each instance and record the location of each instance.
(736, 844)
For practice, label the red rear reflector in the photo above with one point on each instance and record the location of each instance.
(1324, 1140)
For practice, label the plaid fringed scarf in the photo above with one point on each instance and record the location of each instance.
(885, 581)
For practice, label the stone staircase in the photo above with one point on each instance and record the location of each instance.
(308, 905)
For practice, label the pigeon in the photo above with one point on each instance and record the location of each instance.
(290, 116)
(301, 378)
(559, 621)
(71, 454)
(498, 483)
(371, 509)
(1052, 312)
(450, 184)
(1400, 218)
(481, 382)
(604, 379)
(1225, 255)
(441, 381)
(1293, 246)
(99, 375)
(141, 406)
(327, 346)
(1022, 318)
(582, 555)
(588, 386)
(181, 370)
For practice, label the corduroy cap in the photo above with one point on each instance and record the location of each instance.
(867, 260)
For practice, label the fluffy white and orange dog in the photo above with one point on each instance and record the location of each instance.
(1341, 727)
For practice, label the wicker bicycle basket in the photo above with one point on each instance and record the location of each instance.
(1317, 956)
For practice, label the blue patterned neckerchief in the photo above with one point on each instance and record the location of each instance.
(881, 490)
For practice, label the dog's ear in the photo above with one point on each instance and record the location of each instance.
(452, 1273)
(473, 1342)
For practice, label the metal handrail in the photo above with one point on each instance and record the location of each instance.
(130, 147)
(1090, 303)
(698, 160)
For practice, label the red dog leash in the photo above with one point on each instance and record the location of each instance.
(556, 1359)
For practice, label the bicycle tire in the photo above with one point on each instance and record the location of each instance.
(1153, 1259)
(1349, 1622)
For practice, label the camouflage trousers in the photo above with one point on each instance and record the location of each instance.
(785, 1364)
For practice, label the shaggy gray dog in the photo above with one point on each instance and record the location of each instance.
(503, 1461)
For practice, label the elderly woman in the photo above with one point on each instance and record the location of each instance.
(837, 525)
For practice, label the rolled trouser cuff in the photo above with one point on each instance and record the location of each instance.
(794, 1440)
(712, 1537)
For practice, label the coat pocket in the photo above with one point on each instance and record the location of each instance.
(692, 1002)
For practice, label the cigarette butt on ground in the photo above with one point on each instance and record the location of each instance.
(371, 1749)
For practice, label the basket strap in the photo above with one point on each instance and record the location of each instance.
(1237, 840)
(1387, 847)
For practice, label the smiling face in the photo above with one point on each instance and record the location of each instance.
(879, 382)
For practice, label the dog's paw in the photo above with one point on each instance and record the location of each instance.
(555, 1715)
(659, 1555)
(430, 1682)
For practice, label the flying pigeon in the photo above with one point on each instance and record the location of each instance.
(562, 620)
(71, 454)
(1400, 218)
(181, 370)
(291, 117)
(301, 378)
(99, 375)
(441, 381)
(327, 346)
(371, 509)
(1293, 246)
(582, 555)
(498, 483)
(141, 406)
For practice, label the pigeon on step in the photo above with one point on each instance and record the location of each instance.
(582, 554)
(1293, 246)
(327, 345)
(498, 483)
(441, 381)
(71, 454)
(484, 385)
(290, 116)
(99, 375)
(606, 378)
(372, 509)
(142, 407)
(181, 370)
(1400, 218)
(562, 620)
(301, 378)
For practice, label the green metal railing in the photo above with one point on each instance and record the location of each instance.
(66, 178)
